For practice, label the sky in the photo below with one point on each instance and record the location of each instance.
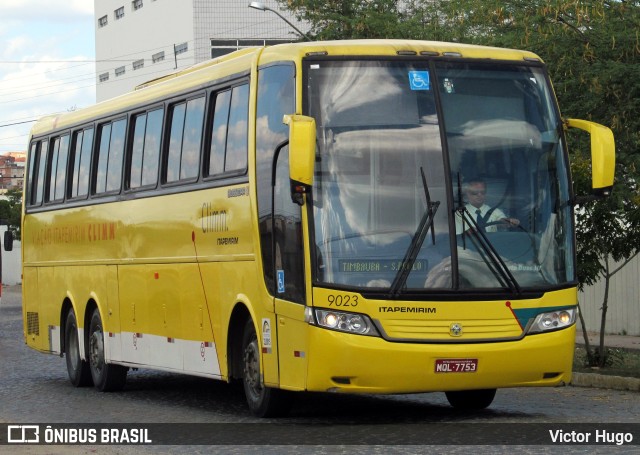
(47, 63)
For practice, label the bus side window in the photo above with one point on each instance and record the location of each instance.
(51, 172)
(152, 140)
(103, 154)
(229, 132)
(58, 168)
(40, 179)
(137, 149)
(116, 154)
(145, 153)
(187, 121)
(110, 154)
(236, 155)
(219, 132)
(79, 162)
(31, 176)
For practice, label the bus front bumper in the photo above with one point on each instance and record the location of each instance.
(348, 363)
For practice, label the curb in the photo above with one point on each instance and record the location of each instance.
(602, 381)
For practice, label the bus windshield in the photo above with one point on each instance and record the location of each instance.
(438, 176)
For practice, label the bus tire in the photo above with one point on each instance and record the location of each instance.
(78, 369)
(263, 401)
(471, 399)
(107, 377)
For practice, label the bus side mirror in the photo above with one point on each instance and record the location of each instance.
(603, 155)
(302, 152)
(8, 241)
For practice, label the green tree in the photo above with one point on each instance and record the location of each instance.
(355, 19)
(592, 49)
(10, 210)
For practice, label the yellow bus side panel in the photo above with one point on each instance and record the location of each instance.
(161, 280)
(32, 327)
(293, 348)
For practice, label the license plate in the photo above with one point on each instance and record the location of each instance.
(456, 365)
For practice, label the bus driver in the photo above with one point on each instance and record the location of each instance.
(486, 218)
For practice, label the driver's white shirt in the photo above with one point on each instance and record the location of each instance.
(496, 215)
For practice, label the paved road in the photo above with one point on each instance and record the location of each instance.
(34, 389)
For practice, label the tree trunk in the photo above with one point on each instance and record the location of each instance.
(603, 320)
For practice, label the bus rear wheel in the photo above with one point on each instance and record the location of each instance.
(107, 377)
(263, 401)
(78, 369)
(471, 399)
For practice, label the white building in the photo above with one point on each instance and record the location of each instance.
(141, 40)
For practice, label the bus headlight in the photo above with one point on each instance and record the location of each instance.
(553, 320)
(345, 322)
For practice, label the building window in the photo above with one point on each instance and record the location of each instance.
(119, 13)
(102, 22)
(120, 71)
(138, 64)
(157, 57)
(181, 48)
(136, 4)
(221, 47)
(104, 77)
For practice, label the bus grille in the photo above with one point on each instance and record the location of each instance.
(440, 331)
(33, 323)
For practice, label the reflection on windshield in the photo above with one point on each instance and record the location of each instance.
(378, 128)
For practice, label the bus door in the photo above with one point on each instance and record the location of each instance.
(289, 250)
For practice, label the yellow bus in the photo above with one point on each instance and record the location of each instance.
(305, 217)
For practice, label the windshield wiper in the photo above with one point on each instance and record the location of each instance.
(499, 266)
(411, 255)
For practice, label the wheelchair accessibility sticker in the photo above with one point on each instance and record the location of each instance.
(419, 80)
(281, 281)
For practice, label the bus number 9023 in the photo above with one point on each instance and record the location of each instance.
(340, 300)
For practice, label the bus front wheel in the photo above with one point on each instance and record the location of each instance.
(263, 401)
(107, 377)
(471, 399)
(78, 369)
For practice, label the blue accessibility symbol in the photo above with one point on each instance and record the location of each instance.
(280, 281)
(419, 80)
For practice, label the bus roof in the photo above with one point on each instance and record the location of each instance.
(368, 47)
(242, 61)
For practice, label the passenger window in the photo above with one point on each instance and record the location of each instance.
(237, 135)
(42, 165)
(80, 161)
(32, 173)
(229, 132)
(53, 165)
(153, 138)
(103, 155)
(185, 139)
(116, 154)
(58, 168)
(137, 150)
(175, 142)
(109, 167)
(146, 149)
(219, 132)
